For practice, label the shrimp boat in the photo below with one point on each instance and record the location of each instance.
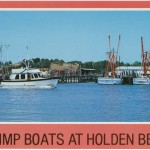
(141, 81)
(28, 77)
(145, 77)
(111, 63)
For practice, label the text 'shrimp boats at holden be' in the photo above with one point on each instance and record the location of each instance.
(28, 77)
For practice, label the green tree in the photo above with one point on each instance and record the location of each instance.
(36, 60)
(137, 63)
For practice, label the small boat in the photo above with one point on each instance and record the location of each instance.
(141, 81)
(29, 77)
(109, 80)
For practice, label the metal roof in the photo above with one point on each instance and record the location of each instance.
(129, 68)
(88, 69)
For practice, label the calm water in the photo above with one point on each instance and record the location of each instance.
(87, 102)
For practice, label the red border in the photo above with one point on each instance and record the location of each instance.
(139, 132)
(74, 4)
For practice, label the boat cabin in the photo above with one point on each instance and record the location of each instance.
(25, 76)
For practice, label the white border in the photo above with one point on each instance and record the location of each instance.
(74, 9)
(74, 0)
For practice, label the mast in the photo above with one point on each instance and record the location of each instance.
(111, 62)
(145, 58)
(1, 53)
(118, 51)
(108, 62)
(4, 65)
(1, 46)
(143, 64)
(28, 58)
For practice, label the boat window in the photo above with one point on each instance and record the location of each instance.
(35, 75)
(22, 76)
(17, 76)
(32, 76)
(28, 76)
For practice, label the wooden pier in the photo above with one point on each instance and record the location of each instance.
(127, 77)
(1, 74)
(127, 80)
(78, 79)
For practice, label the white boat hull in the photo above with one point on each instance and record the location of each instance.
(109, 81)
(141, 81)
(51, 83)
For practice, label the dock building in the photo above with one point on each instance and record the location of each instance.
(135, 71)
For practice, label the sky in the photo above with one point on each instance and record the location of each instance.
(73, 35)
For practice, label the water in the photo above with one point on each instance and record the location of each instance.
(86, 102)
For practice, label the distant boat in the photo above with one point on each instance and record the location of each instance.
(141, 81)
(109, 80)
(29, 77)
(111, 64)
(145, 77)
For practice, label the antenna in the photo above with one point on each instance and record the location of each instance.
(109, 43)
(1, 51)
(7, 46)
(22, 61)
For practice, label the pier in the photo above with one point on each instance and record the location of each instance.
(78, 79)
(1, 74)
(127, 80)
(127, 77)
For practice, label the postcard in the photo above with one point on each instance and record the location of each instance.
(74, 74)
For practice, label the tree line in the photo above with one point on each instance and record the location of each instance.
(45, 63)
